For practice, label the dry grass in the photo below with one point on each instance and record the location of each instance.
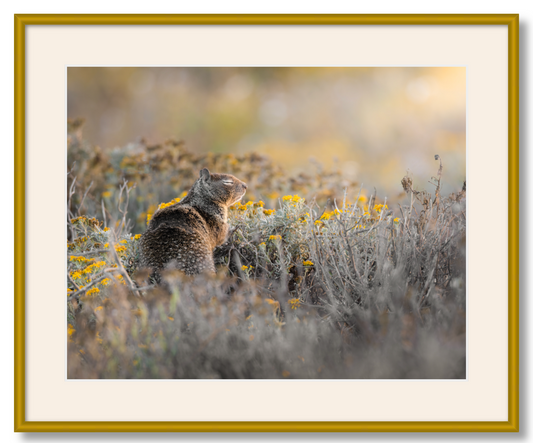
(349, 289)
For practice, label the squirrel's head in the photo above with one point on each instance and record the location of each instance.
(222, 189)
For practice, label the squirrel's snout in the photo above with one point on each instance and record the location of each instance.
(244, 185)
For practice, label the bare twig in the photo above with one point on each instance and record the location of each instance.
(83, 199)
(93, 252)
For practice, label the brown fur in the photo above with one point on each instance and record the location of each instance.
(183, 236)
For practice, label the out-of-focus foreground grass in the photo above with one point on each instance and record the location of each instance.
(318, 279)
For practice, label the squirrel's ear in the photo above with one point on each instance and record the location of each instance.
(205, 174)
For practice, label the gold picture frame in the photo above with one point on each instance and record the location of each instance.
(511, 21)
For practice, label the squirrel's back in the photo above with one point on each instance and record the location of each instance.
(183, 236)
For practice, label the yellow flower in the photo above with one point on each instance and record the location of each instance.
(70, 330)
(396, 220)
(250, 203)
(76, 274)
(98, 338)
(148, 218)
(259, 204)
(268, 211)
(262, 244)
(137, 237)
(99, 308)
(275, 237)
(326, 216)
(295, 303)
(379, 208)
(106, 229)
(171, 318)
(105, 282)
(337, 212)
(78, 259)
(244, 268)
(273, 195)
(287, 198)
(106, 245)
(308, 263)
(124, 241)
(363, 198)
(119, 248)
(106, 194)
(297, 198)
(78, 219)
(93, 291)
(318, 222)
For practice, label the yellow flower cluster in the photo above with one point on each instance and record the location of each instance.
(268, 211)
(84, 220)
(170, 203)
(295, 303)
(93, 267)
(275, 237)
(293, 198)
(396, 220)
(81, 259)
(119, 248)
(379, 208)
(93, 291)
(308, 263)
(70, 330)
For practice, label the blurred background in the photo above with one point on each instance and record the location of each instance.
(372, 124)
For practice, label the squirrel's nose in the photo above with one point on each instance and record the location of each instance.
(245, 185)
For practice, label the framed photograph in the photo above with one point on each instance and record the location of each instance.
(266, 223)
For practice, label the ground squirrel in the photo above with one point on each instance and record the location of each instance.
(184, 235)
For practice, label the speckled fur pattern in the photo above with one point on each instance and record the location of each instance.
(183, 236)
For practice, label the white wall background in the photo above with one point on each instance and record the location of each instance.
(523, 7)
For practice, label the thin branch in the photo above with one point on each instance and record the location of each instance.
(93, 252)
(83, 199)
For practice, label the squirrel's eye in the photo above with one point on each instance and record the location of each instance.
(227, 182)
